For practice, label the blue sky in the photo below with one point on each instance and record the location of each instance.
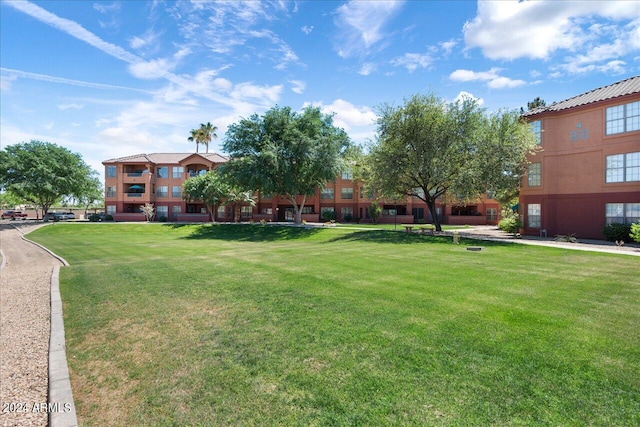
(110, 79)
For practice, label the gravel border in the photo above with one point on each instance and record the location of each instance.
(36, 389)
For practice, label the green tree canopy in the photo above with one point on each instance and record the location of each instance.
(209, 189)
(285, 153)
(428, 148)
(43, 173)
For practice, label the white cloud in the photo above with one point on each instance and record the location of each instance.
(6, 80)
(538, 29)
(491, 77)
(307, 29)
(448, 46)
(298, 86)
(367, 68)
(145, 40)
(359, 122)
(413, 61)
(361, 25)
(70, 106)
(462, 95)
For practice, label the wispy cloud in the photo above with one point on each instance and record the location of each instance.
(491, 78)
(298, 86)
(361, 25)
(13, 74)
(72, 28)
(307, 29)
(413, 61)
(70, 106)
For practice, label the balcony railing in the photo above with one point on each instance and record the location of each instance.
(134, 174)
(134, 194)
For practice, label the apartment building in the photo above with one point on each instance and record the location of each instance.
(587, 172)
(133, 181)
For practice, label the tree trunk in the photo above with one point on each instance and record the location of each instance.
(431, 204)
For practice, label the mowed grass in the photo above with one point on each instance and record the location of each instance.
(263, 325)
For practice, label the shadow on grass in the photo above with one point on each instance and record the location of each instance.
(390, 236)
(248, 232)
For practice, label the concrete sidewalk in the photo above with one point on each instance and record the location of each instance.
(492, 233)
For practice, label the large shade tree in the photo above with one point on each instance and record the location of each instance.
(43, 173)
(210, 189)
(429, 148)
(286, 153)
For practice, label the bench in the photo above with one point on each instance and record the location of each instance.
(427, 229)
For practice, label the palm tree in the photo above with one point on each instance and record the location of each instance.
(196, 135)
(208, 131)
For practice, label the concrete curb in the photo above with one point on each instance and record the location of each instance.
(63, 409)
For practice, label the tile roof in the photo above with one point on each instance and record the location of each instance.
(615, 90)
(166, 158)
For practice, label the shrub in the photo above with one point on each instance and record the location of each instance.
(162, 218)
(348, 218)
(108, 218)
(617, 232)
(329, 216)
(510, 224)
(635, 231)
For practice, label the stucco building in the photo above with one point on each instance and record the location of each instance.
(133, 181)
(587, 172)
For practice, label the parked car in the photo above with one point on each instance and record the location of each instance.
(14, 215)
(59, 216)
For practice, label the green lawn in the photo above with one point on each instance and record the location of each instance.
(264, 325)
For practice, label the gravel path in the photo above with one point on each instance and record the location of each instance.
(24, 328)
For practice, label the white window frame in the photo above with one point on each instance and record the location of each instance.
(622, 213)
(346, 193)
(622, 167)
(536, 128)
(534, 215)
(534, 174)
(622, 118)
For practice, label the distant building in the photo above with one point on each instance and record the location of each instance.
(587, 173)
(132, 181)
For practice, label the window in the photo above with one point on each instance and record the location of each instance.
(222, 211)
(176, 191)
(111, 191)
(111, 171)
(347, 213)
(163, 172)
(327, 212)
(623, 167)
(533, 215)
(347, 174)
(347, 193)
(327, 193)
(162, 211)
(111, 209)
(307, 209)
(176, 210)
(246, 211)
(266, 211)
(622, 213)
(162, 191)
(536, 128)
(492, 214)
(366, 193)
(623, 118)
(176, 171)
(534, 175)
